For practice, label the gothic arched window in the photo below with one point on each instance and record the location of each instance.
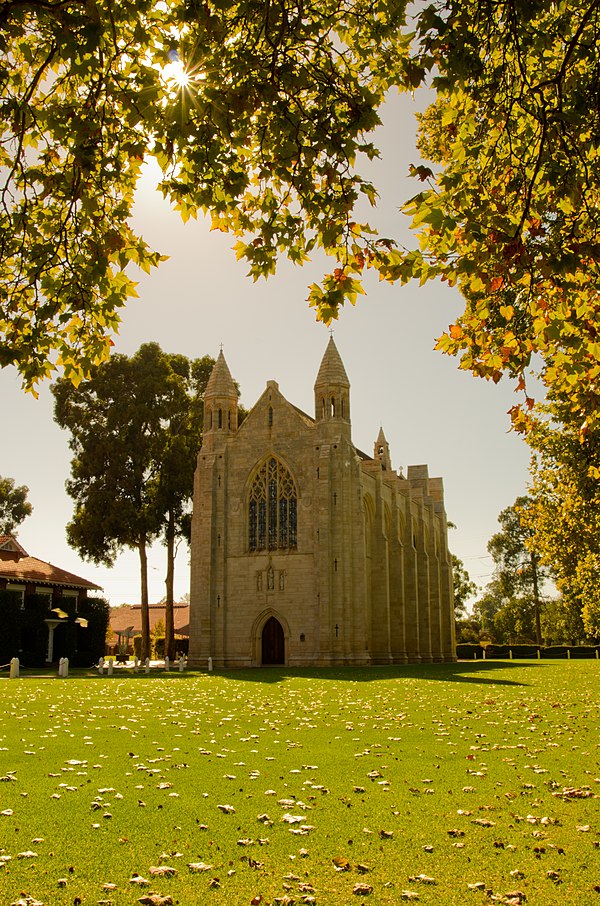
(272, 508)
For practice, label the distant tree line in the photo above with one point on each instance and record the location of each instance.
(515, 607)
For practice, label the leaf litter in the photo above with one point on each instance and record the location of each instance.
(407, 793)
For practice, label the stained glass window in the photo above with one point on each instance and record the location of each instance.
(272, 508)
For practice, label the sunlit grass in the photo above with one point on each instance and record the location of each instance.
(461, 774)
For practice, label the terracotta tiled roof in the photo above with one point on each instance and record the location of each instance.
(127, 615)
(30, 569)
(8, 543)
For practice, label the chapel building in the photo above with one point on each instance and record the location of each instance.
(306, 551)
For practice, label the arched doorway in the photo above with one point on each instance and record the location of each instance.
(273, 642)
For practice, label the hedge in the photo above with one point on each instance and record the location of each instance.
(25, 634)
(469, 651)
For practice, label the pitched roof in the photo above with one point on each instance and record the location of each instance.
(127, 615)
(9, 543)
(30, 569)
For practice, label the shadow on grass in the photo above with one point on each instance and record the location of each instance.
(485, 673)
(478, 672)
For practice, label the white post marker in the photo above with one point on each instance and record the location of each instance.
(14, 668)
(111, 664)
(101, 666)
(181, 664)
(147, 665)
(167, 663)
(136, 665)
(210, 665)
(65, 667)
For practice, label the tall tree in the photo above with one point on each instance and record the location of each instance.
(181, 440)
(120, 422)
(260, 114)
(564, 515)
(517, 562)
(14, 506)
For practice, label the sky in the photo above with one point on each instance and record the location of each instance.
(431, 412)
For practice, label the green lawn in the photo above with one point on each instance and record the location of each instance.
(341, 786)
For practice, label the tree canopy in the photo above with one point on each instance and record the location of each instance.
(14, 506)
(254, 110)
(511, 210)
(261, 114)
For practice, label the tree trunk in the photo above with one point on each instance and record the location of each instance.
(145, 610)
(169, 582)
(536, 600)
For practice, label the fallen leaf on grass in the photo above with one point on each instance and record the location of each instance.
(155, 899)
(163, 871)
(409, 895)
(340, 863)
(27, 854)
(423, 879)
(199, 866)
(139, 880)
(226, 809)
(571, 792)
(362, 890)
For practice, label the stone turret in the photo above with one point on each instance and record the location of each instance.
(332, 392)
(220, 405)
(381, 453)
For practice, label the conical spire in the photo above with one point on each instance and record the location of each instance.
(332, 369)
(220, 382)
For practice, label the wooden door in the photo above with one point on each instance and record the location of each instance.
(273, 642)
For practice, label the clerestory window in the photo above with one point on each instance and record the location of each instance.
(272, 508)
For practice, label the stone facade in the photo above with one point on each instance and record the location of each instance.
(306, 551)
